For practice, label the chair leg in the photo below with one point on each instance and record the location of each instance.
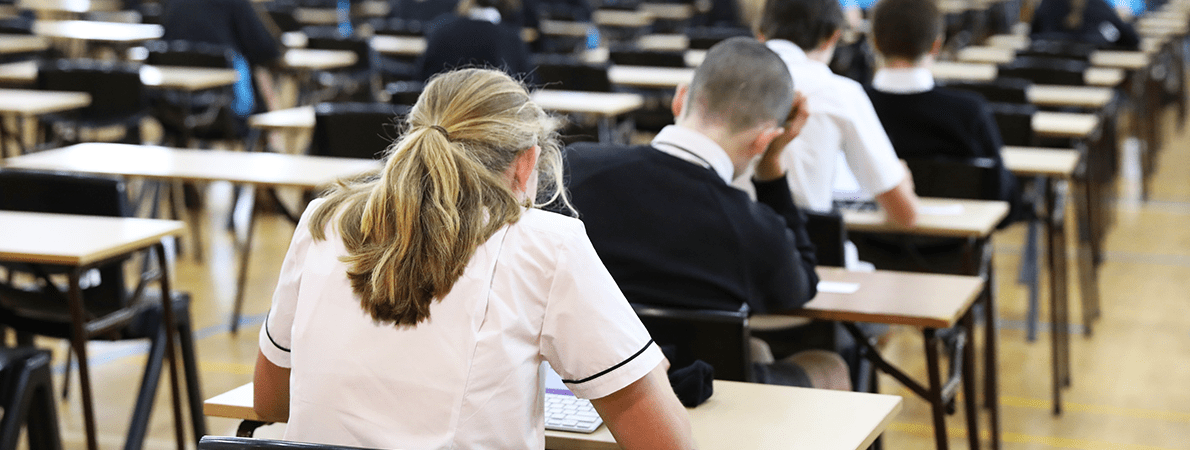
(937, 406)
(970, 400)
(43, 418)
(148, 392)
(190, 365)
(1029, 275)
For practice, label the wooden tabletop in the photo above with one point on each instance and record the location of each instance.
(564, 28)
(620, 18)
(399, 45)
(974, 71)
(1013, 41)
(651, 77)
(262, 169)
(77, 240)
(986, 54)
(664, 42)
(158, 77)
(20, 43)
(74, 6)
(937, 217)
(1035, 161)
(1077, 96)
(994, 54)
(299, 118)
(668, 11)
(895, 298)
(1064, 125)
(1120, 59)
(1104, 76)
(98, 31)
(737, 416)
(598, 103)
(32, 103)
(306, 59)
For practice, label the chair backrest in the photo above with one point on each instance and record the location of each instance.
(703, 38)
(398, 27)
(1061, 49)
(117, 92)
(238, 443)
(72, 193)
(568, 72)
(829, 236)
(328, 39)
(1000, 90)
(404, 92)
(188, 53)
(631, 56)
(1046, 70)
(282, 15)
(1015, 121)
(963, 178)
(720, 338)
(355, 130)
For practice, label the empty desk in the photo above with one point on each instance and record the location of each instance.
(22, 104)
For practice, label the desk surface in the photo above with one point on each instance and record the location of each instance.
(668, 11)
(19, 43)
(941, 217)
(1064, 125)
(664, 42)
(32, 103)
(264, 169)
(159, 77)
(399, 45)
(1047, 162)
(76, 240)
(307, 59)
(1001, 54)
(738, 416)
(895, 298)
(1078, 96)
(74, 6)
(620, 18)
(978, 71)
(651, 77)
(98, 31)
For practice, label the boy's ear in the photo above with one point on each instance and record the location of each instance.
(679, 100)
(936, 47)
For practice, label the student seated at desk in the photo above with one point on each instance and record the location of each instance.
(476, 37)
(415, 305)
(804, 34)
(672, 229)
(1088, 21)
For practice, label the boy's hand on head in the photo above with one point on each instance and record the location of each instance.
(798, 115)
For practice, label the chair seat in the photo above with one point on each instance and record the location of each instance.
(46, 315)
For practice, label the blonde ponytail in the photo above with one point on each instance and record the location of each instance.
(410, 232)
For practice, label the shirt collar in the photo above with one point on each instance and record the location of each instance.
(903, 81)
(790, 52)
(692, 146)
(487, 14)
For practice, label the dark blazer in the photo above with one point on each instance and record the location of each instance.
(1101, 25)
(233, 23)
(673, 233)
(461, 42)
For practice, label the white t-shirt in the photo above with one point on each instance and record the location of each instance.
(467, 377)
(841, 119)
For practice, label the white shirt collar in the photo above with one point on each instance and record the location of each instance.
(788, 51)
(695, 147)
(903, 81)
(485, 14)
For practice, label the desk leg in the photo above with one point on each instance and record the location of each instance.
(607, 132)
(1056, 240)
(971, 399)
(991, 337)
(167, 307)
(78, 340)
(937, 404)
(1087, 265)
(3, 136)
(250, 194)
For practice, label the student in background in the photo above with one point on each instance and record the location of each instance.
(924, 121)
(415, 305)
(1089, 21)
(672, 229)
(804, 34)
(476, 37)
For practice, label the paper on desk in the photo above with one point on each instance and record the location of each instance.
(953, 209)
(837, 287)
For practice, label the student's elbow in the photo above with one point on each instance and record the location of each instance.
(647, 415)
(270, 395)
(900, 204)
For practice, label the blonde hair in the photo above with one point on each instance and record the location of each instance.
(411, 229)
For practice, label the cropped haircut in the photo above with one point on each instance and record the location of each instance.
(742, 83)
(411, 229)
(905, 29)
(807, 23)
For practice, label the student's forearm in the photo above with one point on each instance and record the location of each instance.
(647, 415)
(900, 204)
(270, 397)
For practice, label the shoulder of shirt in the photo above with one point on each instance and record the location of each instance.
(543, 222)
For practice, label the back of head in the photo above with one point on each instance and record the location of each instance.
(807, 23)
(410, 231)
(905, 29)
(741, 84)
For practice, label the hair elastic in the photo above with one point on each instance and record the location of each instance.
(441, 130)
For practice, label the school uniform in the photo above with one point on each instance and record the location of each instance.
(480, 41)
(1100, 25)
(468, 376)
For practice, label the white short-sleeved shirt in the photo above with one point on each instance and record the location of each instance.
(841, 120)
(468, 377)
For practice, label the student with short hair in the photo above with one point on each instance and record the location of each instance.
(672, 229)
(415, 304)
(804, 34)
(922, 120)
(478, 36)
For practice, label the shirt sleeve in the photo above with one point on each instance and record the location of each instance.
(590, 335)
(866, 147)
(276, 335)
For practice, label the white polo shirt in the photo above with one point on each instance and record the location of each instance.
(841, 120)
(468, 376)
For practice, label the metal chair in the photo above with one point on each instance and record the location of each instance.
(118, 97)
(27, 396)
(1046, 70)
(115, 312)
(1000, 90)
(720, 338)
(828, 233)
(355, 130)
(359, 82)
(1015, 122)
(631, 56)
(703, 38)
(570, 73)
(204, 115)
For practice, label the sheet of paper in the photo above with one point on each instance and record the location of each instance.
(953, 209)
(836, 287)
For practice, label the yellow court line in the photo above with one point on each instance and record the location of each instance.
(1021, 438)
(1033, 403)
(207, 366)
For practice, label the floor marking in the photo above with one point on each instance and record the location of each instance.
(918, 429)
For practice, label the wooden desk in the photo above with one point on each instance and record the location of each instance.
(19, 43)
(22, 104)
(1089, 97)
(971, 71)
(1013, 41)
(158, 77)
(668, 11)
(70, 6)
(98, 31)
(399, 45)
(928, 302)
(252, 169)
(619, 18)
(1121, 59)
(664, 42)
(565, 28)
(738, 416)
(986, 54)
(649, 77)
(976, 221)
(307, 59)
(1064, 125)
(84, 242)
